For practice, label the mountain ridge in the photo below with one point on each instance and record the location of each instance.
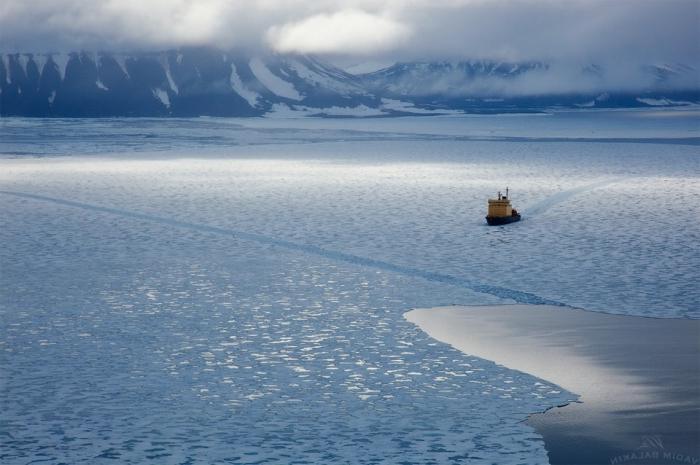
(210, 82)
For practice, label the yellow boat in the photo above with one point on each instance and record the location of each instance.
(501, 211)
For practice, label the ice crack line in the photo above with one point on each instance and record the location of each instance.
(498, 291)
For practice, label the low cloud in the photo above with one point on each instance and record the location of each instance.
(612, 33)
(347, 31)
(551, 79)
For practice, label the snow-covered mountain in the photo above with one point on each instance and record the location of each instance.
(483, 85)
(178, 83)
(205, 81)
(442, 78)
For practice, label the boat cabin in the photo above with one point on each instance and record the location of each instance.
(501, 211)
(500, 207)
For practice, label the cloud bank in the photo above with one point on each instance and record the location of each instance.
(581, 31)
(347, 31)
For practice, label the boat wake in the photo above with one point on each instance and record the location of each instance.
(543, 205)
(497, 291)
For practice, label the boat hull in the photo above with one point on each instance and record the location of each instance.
(499, 220)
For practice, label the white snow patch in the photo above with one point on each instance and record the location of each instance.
(61, 62)
(663, 102)
(668, 68)
(368, 67)
(6, 64)
(52, 97)
(162, 95)
(40, 61)
(121, 61)
(408, 107)
(586, 105)
(237, 85)
(281, 110)
(494, 69)
(93, 56)
(326, 81)
(359, 111)
(165, 64)
(23, 61)
(101, 85)
(601, 98)
(274, 83)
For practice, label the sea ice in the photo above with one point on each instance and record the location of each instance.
(216, 290)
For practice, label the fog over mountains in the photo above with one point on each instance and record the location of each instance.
(282, 57)
(197, 81)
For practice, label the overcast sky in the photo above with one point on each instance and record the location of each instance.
(631, 31)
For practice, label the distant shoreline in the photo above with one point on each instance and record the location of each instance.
(327, 113)
(638, 378)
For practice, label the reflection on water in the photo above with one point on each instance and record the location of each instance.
(142, 342)
(125, 337)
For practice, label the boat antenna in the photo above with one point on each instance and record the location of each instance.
(506, 192)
